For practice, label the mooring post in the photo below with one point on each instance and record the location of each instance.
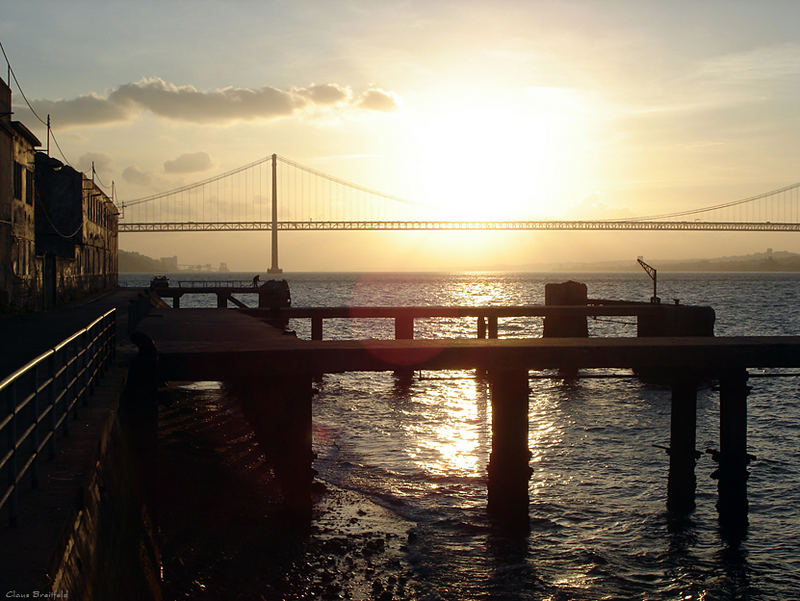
(682, 454)
(316, 327)
(222, 300)
(509, 471)
(176, 301)
(733, 459)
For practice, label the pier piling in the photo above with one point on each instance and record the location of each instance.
(509, 471)
(279, 411)
(733, 459)
(682, 453)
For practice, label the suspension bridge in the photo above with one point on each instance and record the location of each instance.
(277, 194)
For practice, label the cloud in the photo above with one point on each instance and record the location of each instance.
(134, 175)
(83, 110)
(188, 163)
(376, 99)
(186, 103)
(102, 163)
(326, 94)
(220, 106)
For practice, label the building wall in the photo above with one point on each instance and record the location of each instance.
(21, 270)
(76, 232)
(58, 230)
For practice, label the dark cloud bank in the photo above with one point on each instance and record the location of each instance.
(186, 103)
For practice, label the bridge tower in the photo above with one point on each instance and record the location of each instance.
(274, 266)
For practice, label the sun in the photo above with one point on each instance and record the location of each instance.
(500, 159)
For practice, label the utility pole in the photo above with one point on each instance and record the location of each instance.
(274, 267)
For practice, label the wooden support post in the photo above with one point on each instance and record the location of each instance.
(682, 454)
(316, 327)
(222, 300)
(481, 327)
(404, 327)
(176, 301)
(509, 471)
(293, 464)
(733, 459)
(138, 414)
(404, 330)
(492, 329)
(279, 411)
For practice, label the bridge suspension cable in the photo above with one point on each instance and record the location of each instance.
(240, 199)
(725, 205)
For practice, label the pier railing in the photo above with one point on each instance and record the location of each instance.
(683, 319)
(39, 400)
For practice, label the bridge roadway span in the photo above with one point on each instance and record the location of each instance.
(569, 225)
(275, 372)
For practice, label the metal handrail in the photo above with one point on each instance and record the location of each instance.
(40, 396)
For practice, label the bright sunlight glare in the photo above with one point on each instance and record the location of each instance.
(505, 160)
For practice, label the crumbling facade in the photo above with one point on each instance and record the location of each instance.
(58, 229)
(20, 269)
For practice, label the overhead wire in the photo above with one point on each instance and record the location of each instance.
(30, 106)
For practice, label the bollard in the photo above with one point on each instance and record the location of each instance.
(559, 326)
(509, 471)
(681, 482)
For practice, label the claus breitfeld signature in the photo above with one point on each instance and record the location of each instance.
(37, 595)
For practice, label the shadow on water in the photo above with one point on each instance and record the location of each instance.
(512, 576)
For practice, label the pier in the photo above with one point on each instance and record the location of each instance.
(274, 370)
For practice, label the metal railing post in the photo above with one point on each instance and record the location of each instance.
(35, 433)
(53, 396)
(12, 447)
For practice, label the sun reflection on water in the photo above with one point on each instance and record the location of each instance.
(451, 429)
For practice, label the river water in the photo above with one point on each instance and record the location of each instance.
(599, 525)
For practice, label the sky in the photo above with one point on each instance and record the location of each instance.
(525, 109)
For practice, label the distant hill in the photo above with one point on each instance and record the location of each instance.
(133, 262)
(756, 262)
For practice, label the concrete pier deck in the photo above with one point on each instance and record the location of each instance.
(212, 344)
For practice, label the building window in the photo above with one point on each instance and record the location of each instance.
(18, 180)
(29, 187)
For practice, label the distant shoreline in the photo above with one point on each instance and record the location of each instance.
(769, 262)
